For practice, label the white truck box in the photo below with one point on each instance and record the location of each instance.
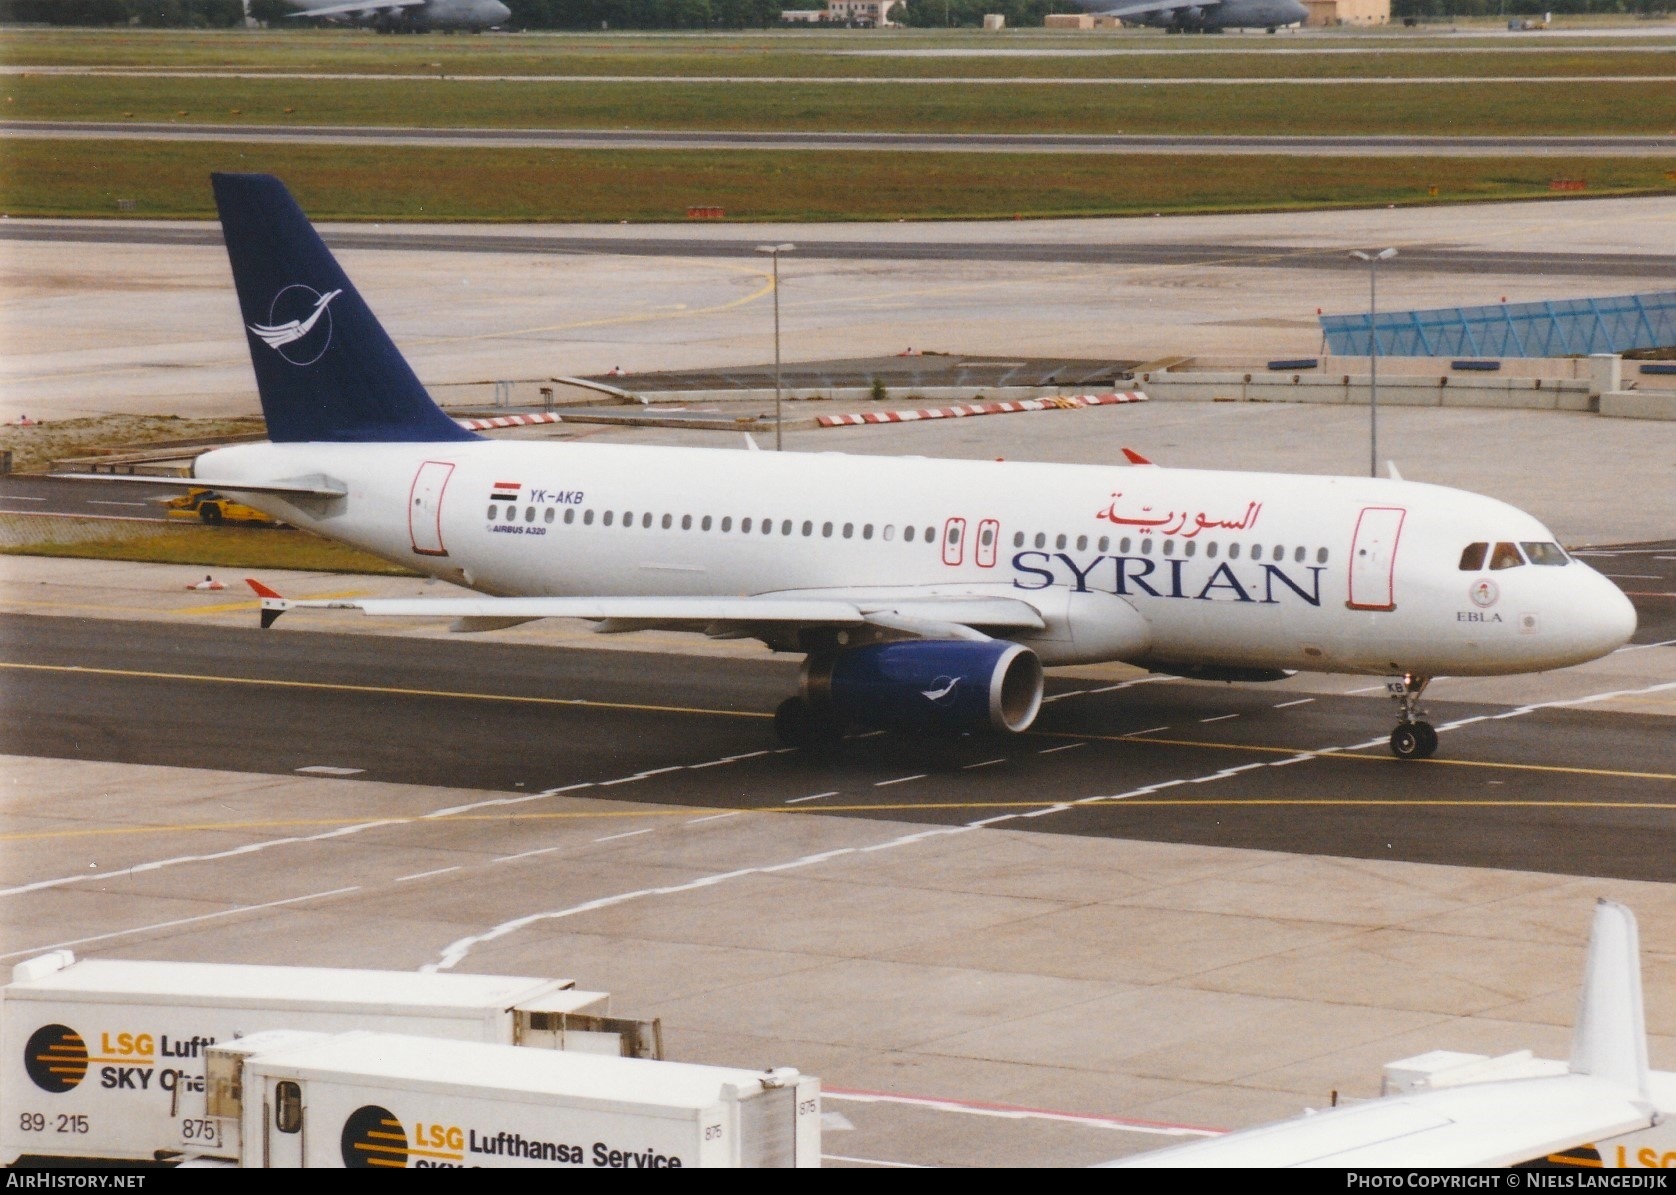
(104, 1058)
(369, 1100)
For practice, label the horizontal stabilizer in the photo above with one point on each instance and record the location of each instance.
(301, 487)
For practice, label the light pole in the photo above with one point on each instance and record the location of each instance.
(774, 251)
(1373, 260)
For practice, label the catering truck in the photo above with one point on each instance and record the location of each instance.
(104, 1058)
(387, 1101)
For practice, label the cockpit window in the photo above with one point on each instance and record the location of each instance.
(1506, 556)
(1473, 558)
(1551, 555)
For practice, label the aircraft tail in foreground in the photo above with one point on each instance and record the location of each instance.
(325, 368)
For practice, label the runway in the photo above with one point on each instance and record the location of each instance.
(1030, 143)
(1418, 259)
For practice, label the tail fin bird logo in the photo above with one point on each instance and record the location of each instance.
(280, 332)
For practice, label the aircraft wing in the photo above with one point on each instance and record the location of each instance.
(299, 487)
(339, 10)
(938, 616)
(1136, 7)
(1476, 1125)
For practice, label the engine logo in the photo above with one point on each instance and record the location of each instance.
(942, 690)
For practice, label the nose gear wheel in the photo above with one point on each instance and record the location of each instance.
(1414, 737)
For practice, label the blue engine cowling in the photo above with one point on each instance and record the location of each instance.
(950, 686)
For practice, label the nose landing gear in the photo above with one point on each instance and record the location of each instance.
(1414, 737)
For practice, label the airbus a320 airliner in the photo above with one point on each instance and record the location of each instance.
(926, 595)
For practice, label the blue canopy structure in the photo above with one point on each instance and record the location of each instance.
(1567, 328)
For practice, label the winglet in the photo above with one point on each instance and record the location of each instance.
(272, 604)
(1135, 458)
(1610, 1041)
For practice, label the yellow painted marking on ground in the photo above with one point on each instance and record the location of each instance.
(525, 816)
(384, 690)
(1348, 753)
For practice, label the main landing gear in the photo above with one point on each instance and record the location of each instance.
(1414, 738)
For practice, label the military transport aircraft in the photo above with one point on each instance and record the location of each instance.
(1200, 16)
(926, 595)
(404, 16)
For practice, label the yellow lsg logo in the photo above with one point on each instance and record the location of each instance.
(55, 1058)
(374, 1139)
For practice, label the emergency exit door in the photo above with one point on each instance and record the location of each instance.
(1373, 558)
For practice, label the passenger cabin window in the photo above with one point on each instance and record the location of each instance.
(1549, 555)
(1506, 556)
(570, 514)
(908, 535)
(494, 512)
(609, 515)
(547, 515)
(646, 519)
(1041, 539)
(1018, 537)
(1472, 558)
(704, 524)
(587, 518)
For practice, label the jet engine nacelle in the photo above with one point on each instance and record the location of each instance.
(952, 686)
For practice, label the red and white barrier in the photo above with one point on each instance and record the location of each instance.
(481, 425)
(965, 410)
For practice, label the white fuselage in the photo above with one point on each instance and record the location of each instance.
(1225, 570)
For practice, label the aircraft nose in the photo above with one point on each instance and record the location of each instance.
(1609, 621)
(498, 11)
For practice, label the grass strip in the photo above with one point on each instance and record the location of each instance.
(224, 547)
(171, 179)
(1454, 109)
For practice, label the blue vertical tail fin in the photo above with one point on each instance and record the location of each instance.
(325, 368)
